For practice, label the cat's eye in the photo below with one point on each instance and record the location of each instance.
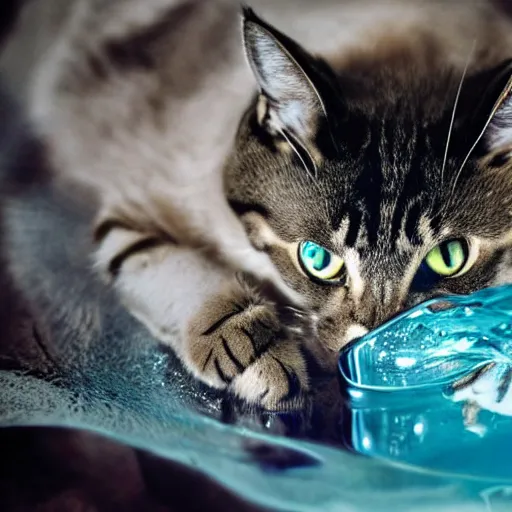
(451, 258)
(321, 264)
(448, 258)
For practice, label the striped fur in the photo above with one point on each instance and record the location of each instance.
(365, 151)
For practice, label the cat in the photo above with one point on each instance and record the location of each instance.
(373, 177)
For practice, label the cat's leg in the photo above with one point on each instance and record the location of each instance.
(120, 103)
(127, 120)
(226, 334)
(240, 340)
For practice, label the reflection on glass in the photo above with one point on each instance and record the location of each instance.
(433, 387)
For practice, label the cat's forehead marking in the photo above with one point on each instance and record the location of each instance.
(446, 231)
(353, 266)
(386, 199)
(424, 227)
(415, 230)
(339, 235)
(387, 291)
(403, 243)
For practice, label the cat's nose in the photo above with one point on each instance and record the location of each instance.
(353, 332)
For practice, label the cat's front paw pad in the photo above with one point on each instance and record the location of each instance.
(277, 381)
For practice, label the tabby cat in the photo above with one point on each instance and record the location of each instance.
(374, 177)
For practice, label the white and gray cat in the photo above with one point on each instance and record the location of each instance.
(372, 174)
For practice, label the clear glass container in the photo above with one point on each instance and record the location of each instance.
(432, 387)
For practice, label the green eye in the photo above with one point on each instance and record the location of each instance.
(448, 258)
(319, 263)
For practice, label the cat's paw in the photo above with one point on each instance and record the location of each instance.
(252, 349)
(276, 381)
(227, 338)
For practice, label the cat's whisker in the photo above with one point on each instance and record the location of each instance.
(459, 172)
(454, 111)
(497, 105)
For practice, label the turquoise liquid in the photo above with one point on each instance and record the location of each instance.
(399, 381)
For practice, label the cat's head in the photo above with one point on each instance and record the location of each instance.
(375, 185)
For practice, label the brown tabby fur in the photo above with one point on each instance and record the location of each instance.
(141, 103)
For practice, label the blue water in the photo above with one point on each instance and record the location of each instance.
(409, 381)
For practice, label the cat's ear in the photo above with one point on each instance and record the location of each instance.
(498, 131)
(289, 102)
